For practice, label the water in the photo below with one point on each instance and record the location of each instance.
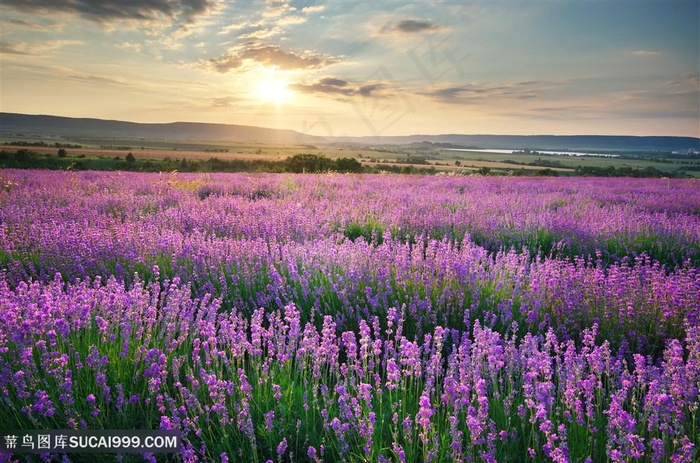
(556, 153)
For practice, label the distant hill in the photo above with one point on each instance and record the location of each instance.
(556, 142)
(100, 128)
(12, 123)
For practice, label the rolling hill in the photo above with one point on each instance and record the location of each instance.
(12, 123)
(43, 125)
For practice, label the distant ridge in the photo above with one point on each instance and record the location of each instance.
(11, 123)
(557, 142)
(88, 127)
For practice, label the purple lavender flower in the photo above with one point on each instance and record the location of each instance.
(269, 416)
(277, 391)
(311, 453)
(282, 447)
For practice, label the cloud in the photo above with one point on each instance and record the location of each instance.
(471, 92)
(52, 45)
(105, 11)
(334, 82)
(646, 52)
(291, 20)
(327, 86)
(261, 33)
(662, 101)
(7, 48)
(342, 88)
(689, 79)
(410, 26)
(313, 9)
(223, 102)
(131, 47)
(694, 80)
(62, 74)
(99, 80)
(374, 89)
(269, 55)
(276, 8)
(46, 25)
(658, 102)
(238, 26)
(36, 48)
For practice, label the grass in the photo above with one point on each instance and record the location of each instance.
(567, 163)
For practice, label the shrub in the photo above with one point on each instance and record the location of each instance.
(308, 163)
(347, 165)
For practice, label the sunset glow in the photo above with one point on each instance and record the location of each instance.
(360, 68)
(273, 90)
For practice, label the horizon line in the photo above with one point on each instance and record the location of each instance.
(369, 136)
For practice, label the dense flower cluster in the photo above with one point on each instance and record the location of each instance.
(331, 318)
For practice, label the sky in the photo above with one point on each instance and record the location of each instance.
(349, 68)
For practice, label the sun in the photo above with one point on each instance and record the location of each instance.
(274, 90)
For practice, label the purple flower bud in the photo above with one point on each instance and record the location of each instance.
(282, 447)
(311, 453)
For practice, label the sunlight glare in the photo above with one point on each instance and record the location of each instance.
(274, 90)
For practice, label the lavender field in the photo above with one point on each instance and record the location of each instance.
(354, 318)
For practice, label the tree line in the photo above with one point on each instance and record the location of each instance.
(299, 163)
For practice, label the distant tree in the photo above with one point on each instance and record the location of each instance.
(309, 163)
(348, 165)
(149, 166)
(458, 163)
(23, 155)
(62, 153)
(130, 158)
(546, 172)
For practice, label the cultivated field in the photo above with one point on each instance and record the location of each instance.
(168, 155)
(355, 317)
